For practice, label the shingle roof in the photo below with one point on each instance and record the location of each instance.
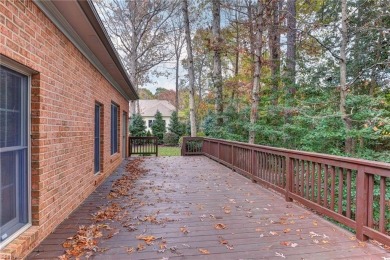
(150, 107)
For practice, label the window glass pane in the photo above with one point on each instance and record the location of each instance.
(14, 181)
(13, 135)
(114, 129)
(8, 187)
(3, 87)
(13, 94)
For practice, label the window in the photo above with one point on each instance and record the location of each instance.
(150, 123)
(97, 138)
(114, 128)
(14, 150)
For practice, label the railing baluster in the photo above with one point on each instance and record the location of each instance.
(348, 193)
(326, 186)
(332, 189)
(370, 213)
(319, 175)
(340, 191)
(382, 205)
(313, 172)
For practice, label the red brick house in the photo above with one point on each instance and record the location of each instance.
(64, 98)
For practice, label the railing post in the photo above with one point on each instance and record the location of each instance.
(289, 178)
(183, 146)
(156, 143)
(361, 203)
(218, 151)
(130, 148)
(254, 164)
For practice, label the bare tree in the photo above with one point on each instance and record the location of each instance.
(257, 70)
(139, 30)
(178, 43)
(217, 65)
(190, 65)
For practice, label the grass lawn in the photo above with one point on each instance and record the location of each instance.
(168, 151)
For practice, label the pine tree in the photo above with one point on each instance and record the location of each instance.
(137, 126)
(158, 127)
(175, 125)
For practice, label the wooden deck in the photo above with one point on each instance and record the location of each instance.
(195, 208)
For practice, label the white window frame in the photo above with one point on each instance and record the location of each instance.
(15, 66)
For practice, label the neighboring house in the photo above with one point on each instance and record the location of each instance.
(148, 108)
(64, 98)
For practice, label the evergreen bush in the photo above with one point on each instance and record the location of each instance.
(137, 126)
(158, 127)
(171, 139)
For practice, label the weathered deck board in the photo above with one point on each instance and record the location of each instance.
(191, 192)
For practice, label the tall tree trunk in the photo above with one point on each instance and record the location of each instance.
(177, 82)
(257, 71)
(217, 71)
(291, 46)
(251, 35)
(274, 43)
(343, 78)
(190, 64)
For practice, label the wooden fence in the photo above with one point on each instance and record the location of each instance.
(351, 191)
(143, 145)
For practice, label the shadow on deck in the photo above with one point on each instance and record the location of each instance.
(193, 207)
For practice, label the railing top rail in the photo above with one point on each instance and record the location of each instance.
(288, 152)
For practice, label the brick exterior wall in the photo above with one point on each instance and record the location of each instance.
(63, 97)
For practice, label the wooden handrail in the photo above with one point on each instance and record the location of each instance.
(344, 189)
(146, 145)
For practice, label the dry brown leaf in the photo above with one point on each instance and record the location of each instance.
(287, 230)
(184, 230)
(220, 226)
(285, 243)
(259, 229)
(204, 251)
(130, 250)
(140, 247)
(223, 241)
(148, 239)
(273, 233)
(315, 223)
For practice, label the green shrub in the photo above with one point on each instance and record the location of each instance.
(137, 126)
(158, 127)
(171, 139)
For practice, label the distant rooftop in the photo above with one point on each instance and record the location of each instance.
(150, 107)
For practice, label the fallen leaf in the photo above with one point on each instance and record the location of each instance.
(230, 247)
(184, 230)
(223, 241)
(286, 230)
(279, 254)
(273, 233)
(220, 226)
(130, 250)
(148, 239)
(315, 223)
(285, 243)
(140, 247)
(315, 241)
(204, 251)
(259, 229)
(294, 244)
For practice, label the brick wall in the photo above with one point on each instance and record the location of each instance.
(63, 96)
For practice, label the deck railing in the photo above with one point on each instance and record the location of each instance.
(351, 191)
(147, 145)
